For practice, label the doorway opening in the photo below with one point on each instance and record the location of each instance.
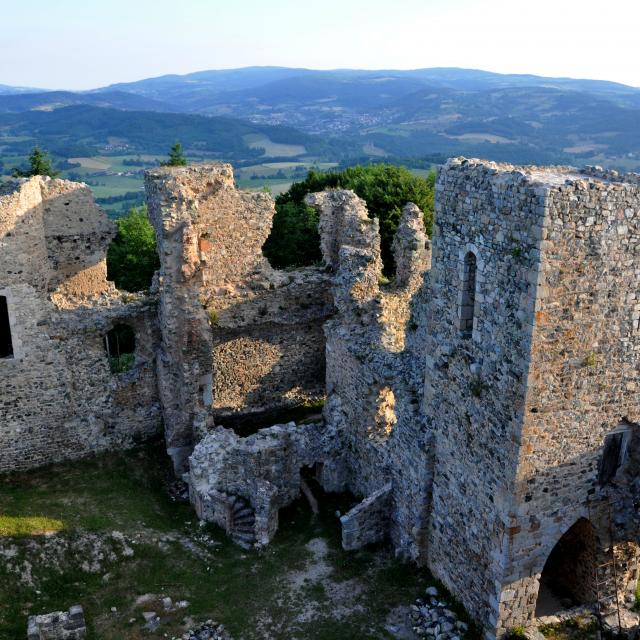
(568, 576)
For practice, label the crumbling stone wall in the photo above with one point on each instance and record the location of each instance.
(59, 625)
(368, 521)
(264, 469)
(375, 365)
(468, 402)
(583, 372)
(60, 399)
(238, 338)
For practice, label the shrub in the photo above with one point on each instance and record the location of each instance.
(132, 258)
(294, 239)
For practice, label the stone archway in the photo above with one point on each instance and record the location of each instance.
(568, 576)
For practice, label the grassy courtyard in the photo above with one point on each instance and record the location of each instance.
(105, 534)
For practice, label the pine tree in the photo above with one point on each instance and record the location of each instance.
(39, 165)
(176, 157)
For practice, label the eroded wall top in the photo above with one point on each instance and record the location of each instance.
(53, 237)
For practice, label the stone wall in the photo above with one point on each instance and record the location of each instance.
(263, 469)
(368, 522)
(520, 405)
(60, 400)
(375, 362)
(468, 402)
(238, 338)
(583, 379)
(59, 625)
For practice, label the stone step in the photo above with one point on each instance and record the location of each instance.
(242, 512)
(250, 518)
(245, 531)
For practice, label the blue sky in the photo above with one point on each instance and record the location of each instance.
(80, 44)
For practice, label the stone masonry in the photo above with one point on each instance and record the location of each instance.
(60, 625)
(238, 337)
(59, 398)
(483, 405)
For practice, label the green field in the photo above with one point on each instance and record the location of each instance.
(104, 533)
(273, 149)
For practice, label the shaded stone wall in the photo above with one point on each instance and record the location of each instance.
(584, 376)
(368, 522)
(59, 398)
(475, 382)
(375, 364)
(238, 338)
(520, 406)
(264, 469)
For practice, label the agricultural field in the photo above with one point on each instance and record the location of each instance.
(273, 149)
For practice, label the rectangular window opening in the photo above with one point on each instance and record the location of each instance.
(6, 344)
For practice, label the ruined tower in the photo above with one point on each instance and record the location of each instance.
(532, 362)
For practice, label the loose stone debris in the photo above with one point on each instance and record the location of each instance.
(432, 618)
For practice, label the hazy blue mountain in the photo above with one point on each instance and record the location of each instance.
(350, 113)
(182, 90)
(201, 86)
(50, 100)
(6, 89)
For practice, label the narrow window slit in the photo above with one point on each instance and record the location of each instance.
(468, 299)
(6, 343)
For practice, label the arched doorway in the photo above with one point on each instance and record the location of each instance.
(568, 576)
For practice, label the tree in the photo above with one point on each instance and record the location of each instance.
(294, 239)
(132, 258)
(176, 157)
(39, 165)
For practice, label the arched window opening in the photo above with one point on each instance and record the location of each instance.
(120, 345)
(614, 454)
(6, 344)
(568, 576)
(468, 297)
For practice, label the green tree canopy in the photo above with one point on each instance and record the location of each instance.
(294, 239)
(176, 157)
(132, 258)
(39, 165)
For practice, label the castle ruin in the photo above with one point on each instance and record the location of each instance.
(483, 405)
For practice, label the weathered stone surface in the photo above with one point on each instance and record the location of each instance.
(59, 625)
(238, 338)
(59, 399)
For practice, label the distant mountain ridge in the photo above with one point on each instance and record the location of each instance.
(6, 89)
(391, 113)
(51, 100)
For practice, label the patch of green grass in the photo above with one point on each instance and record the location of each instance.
(122, 492)
(29, 525)
(579, 628)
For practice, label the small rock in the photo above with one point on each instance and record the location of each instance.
(153, 624)
(167, 604)
(432, 591)
(148, 615)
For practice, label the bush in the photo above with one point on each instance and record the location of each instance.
(132, 258)
(294, 239)
(516, 633)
